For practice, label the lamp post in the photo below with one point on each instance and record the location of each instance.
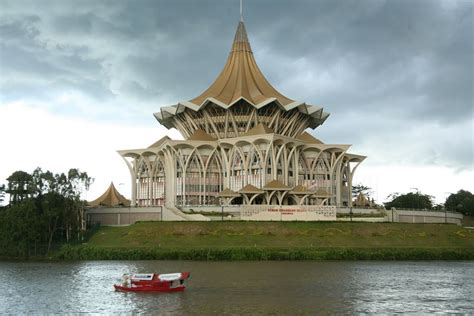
(349, 199)
(222, 208)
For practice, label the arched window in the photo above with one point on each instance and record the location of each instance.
(213, 180)
(236, 172)
(194, 181)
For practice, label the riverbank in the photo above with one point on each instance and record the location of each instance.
(276, 241)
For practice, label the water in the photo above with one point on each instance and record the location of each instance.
(238, 288)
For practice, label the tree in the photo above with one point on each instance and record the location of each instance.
(462, 201)
(20, 229)
(2, 193)
(58, 197)
(19, 186)
(46, 209)
(360, 188)
(414, 200)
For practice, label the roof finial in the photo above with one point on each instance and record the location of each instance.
(241, 14)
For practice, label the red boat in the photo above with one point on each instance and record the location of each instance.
(152, 282)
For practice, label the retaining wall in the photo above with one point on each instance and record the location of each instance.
(405, 216)
(119, 216)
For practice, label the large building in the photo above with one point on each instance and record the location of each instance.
(244, 143)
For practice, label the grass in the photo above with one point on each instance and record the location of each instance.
(468, 221)
(283, 235)
(276, 240)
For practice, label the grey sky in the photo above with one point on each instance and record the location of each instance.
(398, 74)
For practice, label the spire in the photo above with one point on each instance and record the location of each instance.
(241, 42)
(241, 12)
(241, 77)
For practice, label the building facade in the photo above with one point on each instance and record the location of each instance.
(244, 143)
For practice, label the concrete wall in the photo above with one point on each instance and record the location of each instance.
(363, 219)
(405, 216)
(118, 216)
(355, 210)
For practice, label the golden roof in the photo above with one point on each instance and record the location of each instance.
(199, 134)
(260, 129)
(275, 185)
(159, 142)
(111, 197)
(228, 193)
(250, 189)
(240, 80)
(241, 77)
(321, 192)
(361, 200)
(301, 189)
(308, 138)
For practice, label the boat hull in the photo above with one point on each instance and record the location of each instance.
(121, 288)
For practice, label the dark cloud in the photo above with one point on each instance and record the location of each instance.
(387, 70)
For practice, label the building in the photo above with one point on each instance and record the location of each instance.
(244, 144)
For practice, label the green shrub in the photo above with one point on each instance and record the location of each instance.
(85, 252)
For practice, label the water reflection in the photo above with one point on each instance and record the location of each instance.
(414, 287)
(241, 287)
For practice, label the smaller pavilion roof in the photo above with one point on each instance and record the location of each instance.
(250, 189)
(228, 193)
(361, 200)
(159, 142)
(111, 197)
(301, 189)
(259, 130)
(308, 138)
(321, 192)
(199, 134)
(276, 185)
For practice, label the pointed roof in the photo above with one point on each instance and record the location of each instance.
(259, 129)
(250, 189)
(159, 142)
(321, 192)
(228, 193)
(111, 197)
(199, 134)
(241, 77)
(276, 185)
(308, 138)
(361, 200)
(301, 189)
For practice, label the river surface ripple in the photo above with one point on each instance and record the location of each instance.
(238, 288)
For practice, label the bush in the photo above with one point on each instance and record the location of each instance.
(85, 252)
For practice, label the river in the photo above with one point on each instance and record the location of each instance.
(238, 288)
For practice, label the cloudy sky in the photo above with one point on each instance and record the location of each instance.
(81, 79)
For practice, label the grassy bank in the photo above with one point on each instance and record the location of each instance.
(276, 241)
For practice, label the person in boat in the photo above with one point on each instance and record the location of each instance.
(125, 280)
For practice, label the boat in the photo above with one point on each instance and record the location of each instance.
(153, 282)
